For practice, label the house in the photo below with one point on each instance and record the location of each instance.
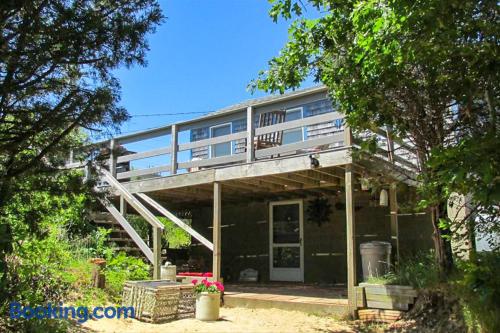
(273, 184)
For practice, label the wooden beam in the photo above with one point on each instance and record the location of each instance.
(144, 154)
(134, 202)
(250, 135)
(123, 205)
(350, 232)
(393, 204)
(176, 220)
(351, 240)
(112, 158)
(321, 176)
(216, 261)
(262, 183)
(288, 183)
(303, 182)
(143, 172)
(247, 170)
(157, 233)
(173, 148)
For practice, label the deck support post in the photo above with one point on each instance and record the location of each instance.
(216, 262)
(157, 233)
(351, 240)
(250, 135)
(393, 202)
(123, 205)
(393, 205)
(112, 158)
(350, 229)
(173, 147)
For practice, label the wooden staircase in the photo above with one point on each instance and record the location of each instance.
(118, 235)
(123, 233)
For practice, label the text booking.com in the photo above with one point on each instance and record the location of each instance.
(80, 313)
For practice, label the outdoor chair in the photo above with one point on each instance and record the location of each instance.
(272, 139)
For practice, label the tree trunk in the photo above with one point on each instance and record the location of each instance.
(442, 243)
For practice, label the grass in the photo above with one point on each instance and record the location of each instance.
(419, 271)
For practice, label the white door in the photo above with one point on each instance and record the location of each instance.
(286, 246)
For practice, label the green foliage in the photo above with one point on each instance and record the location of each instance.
(120, 268)
(174, 236)
(419, 271)
(39, 222)
(205, 286)
(478, 286)
(427, 70)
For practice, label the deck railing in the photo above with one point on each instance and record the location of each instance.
(398, 152)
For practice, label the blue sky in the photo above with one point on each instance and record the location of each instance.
(201, 59)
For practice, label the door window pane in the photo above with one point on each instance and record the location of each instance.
(221, 149)
(286, 224)
(286, 257)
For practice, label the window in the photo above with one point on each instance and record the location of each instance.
(296, 134)
(220, 149)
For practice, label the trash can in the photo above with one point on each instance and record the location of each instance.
(375, 258)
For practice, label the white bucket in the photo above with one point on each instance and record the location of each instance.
(169, 272)
(207, 306)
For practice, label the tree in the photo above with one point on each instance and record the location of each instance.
(426, 69)
(56, 76)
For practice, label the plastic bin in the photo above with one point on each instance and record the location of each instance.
(375, 258)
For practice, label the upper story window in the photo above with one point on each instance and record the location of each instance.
(296, 134)
(224, 148)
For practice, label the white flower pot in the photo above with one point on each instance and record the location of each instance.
(207, 306)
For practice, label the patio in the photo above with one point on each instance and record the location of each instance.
(309, 298)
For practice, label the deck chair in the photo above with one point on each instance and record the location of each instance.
(272, 139)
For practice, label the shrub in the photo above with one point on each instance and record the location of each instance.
(120, 268)
(478, 286)
(419, 271)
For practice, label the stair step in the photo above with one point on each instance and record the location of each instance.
(121, 239)
(128, 249)
(105, 222)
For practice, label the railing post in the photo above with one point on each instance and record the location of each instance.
(347, 136)
(112, 158)
(250, 135)
(173, 153)
(157, 233)
(71, 156)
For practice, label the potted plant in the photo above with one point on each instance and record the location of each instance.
(207, 299)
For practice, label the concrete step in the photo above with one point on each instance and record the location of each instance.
(313, 305)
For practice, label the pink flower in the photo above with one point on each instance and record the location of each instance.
(219, 286)
(205, 282)
(194, 281)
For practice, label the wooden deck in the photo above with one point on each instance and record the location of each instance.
(297, 297)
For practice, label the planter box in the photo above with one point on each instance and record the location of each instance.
(390, 297)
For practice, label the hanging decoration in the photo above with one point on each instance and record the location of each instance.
(384, 198)
(319, 210)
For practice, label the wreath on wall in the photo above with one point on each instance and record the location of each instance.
(319, 211)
